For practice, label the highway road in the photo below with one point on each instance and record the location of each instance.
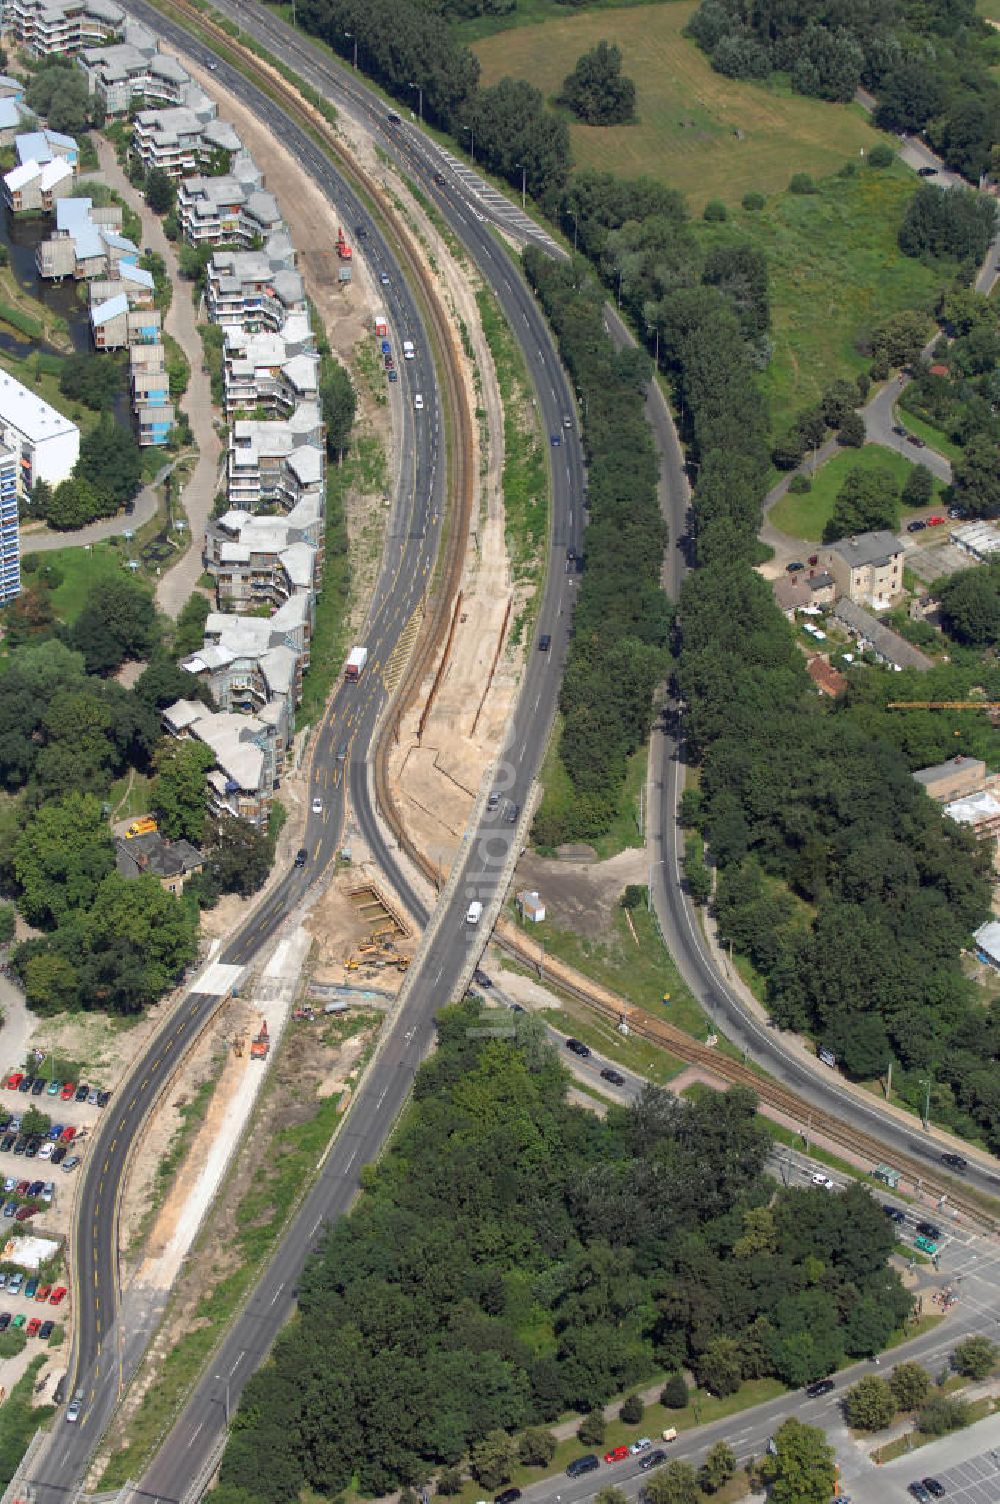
(111, 1340)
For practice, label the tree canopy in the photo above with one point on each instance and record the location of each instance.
(596, 90)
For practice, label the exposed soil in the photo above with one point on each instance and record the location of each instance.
(582, 896)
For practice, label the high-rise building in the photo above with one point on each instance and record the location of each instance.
(10, 543)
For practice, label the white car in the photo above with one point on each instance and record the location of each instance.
(317, 806)
(418, 403)
(640, 1445)
(824, 1181)
(46, 1151)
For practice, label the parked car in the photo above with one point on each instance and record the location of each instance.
(915, 440)
(59, 1154)
(934, 1488)
(46, 1329)
(615, 1077)
(481, 977)
(926, 1245)
(48, 1190)
(42, 1294)
(894, 1213)
(899, 429)
(30, 1288)
(14, 1080)
(10, 1207)
(68, 1090)
(581, 1465)
(68, 1135)
(823, 1180)
(24, 1213)
(55, 1130)
(82, 1092)
(617, 1454)
(916, 526)
(92, 1096)
(19, 1322)
(642, 1445)
(916, 1488)
(508, 1496)
(25, 1084)
(578, 1047)
(21, 1189)
(794, 566)
(926, 172)
(71, 1163)
(33, 1325)
(652, 1459)
(57, 1296)
(103, 1098)
(4, 1320)
(7, 1142)
(936, 521)
(46, 1151)
(38, 1086)
(929, 1230)
(52, 1089)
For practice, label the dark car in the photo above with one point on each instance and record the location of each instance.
(509, 1496)
(794, 566)
(920, 1493)
(26, 1083)
(580, 1465)
(954, 1161)
(926, 172)
(894, 1213)
(928, 1230)
(934, 1488)
(38, 1086)
(652, 1459)
(898, 428)
(9, 1140)
(555, 439)
(439, 179)
(59, 1154)
(481, 977)
(916, 526)
(513, 814)
(916, 441)
(301, 856)
(4, 1320)
(544, 642)
(36, 1187)
(821, 1387)
(46, 1329)
(21, 1145)
(615, 1077)
(31, 1148)
(103, 1098)
(578, 1047)
(82, 1092)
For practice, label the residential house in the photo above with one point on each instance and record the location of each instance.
(36, 187)
(182, 138)
(14, 116)
(888, 647)
(275, 371)
(241, 783)
(61, 28)
(255, 290)
(801, 591)
(10, 538)
(234, 209)
(952, 779)
(867, 568)
(172, 862)
(827, 679)
(978, 813)
(134, 281)
(272, 465)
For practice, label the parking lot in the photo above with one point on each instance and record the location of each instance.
(974, 1482)
(966, 1464)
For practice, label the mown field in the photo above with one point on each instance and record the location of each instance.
(835, 271)
(697, 131)
(806, 516)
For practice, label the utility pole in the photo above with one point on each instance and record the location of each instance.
(524, 172)
(420, 100)
(925, 1083)
(348, 34)
(472, 134)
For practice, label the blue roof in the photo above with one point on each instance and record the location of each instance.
(137, 275)
(120, 242)
(87, 242)
(71, 212)
(109, 309)
(32, 147)
(55, 138)
(10, 114)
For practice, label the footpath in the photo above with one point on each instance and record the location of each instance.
(181, 323)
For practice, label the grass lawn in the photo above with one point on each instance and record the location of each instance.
(81, 568)
(631, 1054)
(931, 435)
(835, 271)
(642, 973)
(806, 516)
(689, 116)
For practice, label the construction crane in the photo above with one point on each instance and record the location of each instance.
(943, 705)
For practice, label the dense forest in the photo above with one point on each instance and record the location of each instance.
(515, 1257)
(927, 61)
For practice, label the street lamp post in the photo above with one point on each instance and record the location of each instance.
(575, 227)
(619, 287)
(219, 1380)
(471, 132)
(524, 180)
(352, 38)
(420, 100)
(925, 1083)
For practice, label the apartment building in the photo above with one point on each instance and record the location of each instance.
(45, 172)
(14, 117)
(45, 443)
(271, 370)
(259, 561)
(134, 281)
(183, 138)
(226, 210)
(10, 539)
(61, 28)
(242, 781)
(133, 70)
(255, 290)
(867, 568)
(116, 326)
(271, 466)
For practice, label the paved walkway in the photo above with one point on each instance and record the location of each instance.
(180, 322)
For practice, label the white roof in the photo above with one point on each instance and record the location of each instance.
(973, 808)
(28, 413)
(988, 938)
(109, 309)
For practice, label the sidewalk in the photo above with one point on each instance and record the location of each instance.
(181, 323)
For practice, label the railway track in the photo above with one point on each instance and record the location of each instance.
(458, 423)
(459, 440)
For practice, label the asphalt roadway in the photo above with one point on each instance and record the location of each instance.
(109, 1346)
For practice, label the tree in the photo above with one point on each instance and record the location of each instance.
(178, 792)
(241, 857)
(970, 606)
(95, 380)
(7, 923)
(536, 1447)
(801, 183)
(717, 1469)
(449, 1481)
(35, 1122)
(976, 1357)
(591, 1429)
(61, 858)
(715, 212)
(718, 1367)
(677, 1483)
(801, 1470)
(947, 222)
(943, 1413)
(110, 461)
(910, 1385)
(674, 1394)
(852, 431)
(976, 476)
(189, 634)
(881, 156)
(492, 1458)
(160, 191)
(918, 487)
(60, 94)
(632, 1409)
(867, 500)
(339, 402)
(118, 621)
(596, 91)
(899, 339)
(870, 1404)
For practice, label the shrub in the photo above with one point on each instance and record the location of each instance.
(536, 1447)
(881, 156)
(802, 183)
(753, 201)
(674, 1394)
(943, 1413)
(591, 1429)
(449, 1481)
(800, 485)
(632, 1409)
(715, 211)
(975, 1357)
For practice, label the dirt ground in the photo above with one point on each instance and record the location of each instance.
(582, 896)
(316, 1061)
(339, 930)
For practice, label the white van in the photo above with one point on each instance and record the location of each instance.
(408, 350)
(474, 912)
